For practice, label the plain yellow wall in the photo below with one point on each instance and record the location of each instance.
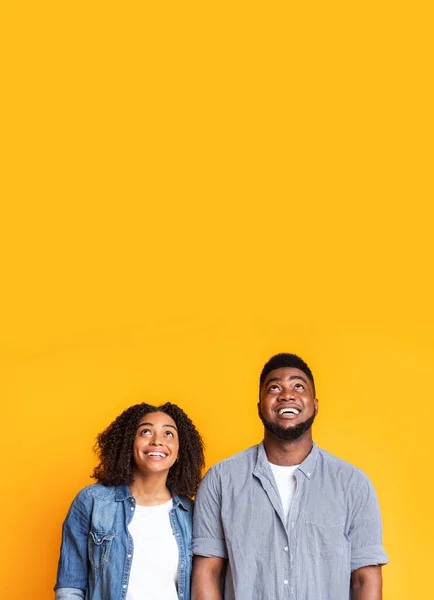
(187, 189)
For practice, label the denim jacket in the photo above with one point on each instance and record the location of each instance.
(97, 548)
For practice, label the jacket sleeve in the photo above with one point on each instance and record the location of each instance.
(69, 594)
(72, 572)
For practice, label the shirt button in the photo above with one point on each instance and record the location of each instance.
(181, 595)
(285, 581)
(286, 548)
(132, 508)
(182, 566)
(308, 474)
(129, 555)
(124, 586)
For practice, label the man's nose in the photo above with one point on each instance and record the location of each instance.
(286, 395)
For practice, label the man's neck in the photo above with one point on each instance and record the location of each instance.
(287, 453)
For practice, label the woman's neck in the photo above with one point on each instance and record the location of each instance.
(150, 490)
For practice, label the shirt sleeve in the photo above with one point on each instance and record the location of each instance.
(72, 572)
(365, 530)
(208, 534)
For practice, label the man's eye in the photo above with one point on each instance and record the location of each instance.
(299, 386)
(274, 387)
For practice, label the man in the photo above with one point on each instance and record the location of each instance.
(285, 520)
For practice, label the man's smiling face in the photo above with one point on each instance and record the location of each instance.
(287, 405)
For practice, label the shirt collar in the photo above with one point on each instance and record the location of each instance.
(123, 492)
(307, 467)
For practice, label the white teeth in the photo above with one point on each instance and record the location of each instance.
(156, 454)
(291, 410)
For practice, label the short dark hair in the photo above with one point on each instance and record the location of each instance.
(278, 361)
(114, 447)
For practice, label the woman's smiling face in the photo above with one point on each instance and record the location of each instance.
(156, 445)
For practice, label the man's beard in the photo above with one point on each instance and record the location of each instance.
(290, 434)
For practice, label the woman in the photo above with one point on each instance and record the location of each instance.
(128, 537)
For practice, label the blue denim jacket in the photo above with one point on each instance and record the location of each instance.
(97, 548)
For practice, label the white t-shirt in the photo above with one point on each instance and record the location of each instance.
(154, 569)
(285, 481)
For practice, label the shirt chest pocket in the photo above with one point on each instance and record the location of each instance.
(99, 545)
(325, 537)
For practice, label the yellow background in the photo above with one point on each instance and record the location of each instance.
(187, 188)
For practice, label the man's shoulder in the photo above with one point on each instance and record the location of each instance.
(338, 467)
(336, 462)
(232, 463)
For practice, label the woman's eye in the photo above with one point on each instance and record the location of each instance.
(169, 433)
(145, 431)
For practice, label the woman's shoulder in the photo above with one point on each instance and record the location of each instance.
(98, 491)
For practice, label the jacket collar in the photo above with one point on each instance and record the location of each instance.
(123, 492)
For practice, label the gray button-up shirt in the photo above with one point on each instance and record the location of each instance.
(333, 527)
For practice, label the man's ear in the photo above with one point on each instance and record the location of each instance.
(316, 404)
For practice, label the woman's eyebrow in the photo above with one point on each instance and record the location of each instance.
(142, 424)
(152, 425)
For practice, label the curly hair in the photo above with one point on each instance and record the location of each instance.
(114, 447)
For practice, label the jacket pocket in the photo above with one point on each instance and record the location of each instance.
(325, 541)
(99, 545)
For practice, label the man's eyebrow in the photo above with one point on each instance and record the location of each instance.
(298, 377)
(273, 379)
(152, 425)
(291, 378)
